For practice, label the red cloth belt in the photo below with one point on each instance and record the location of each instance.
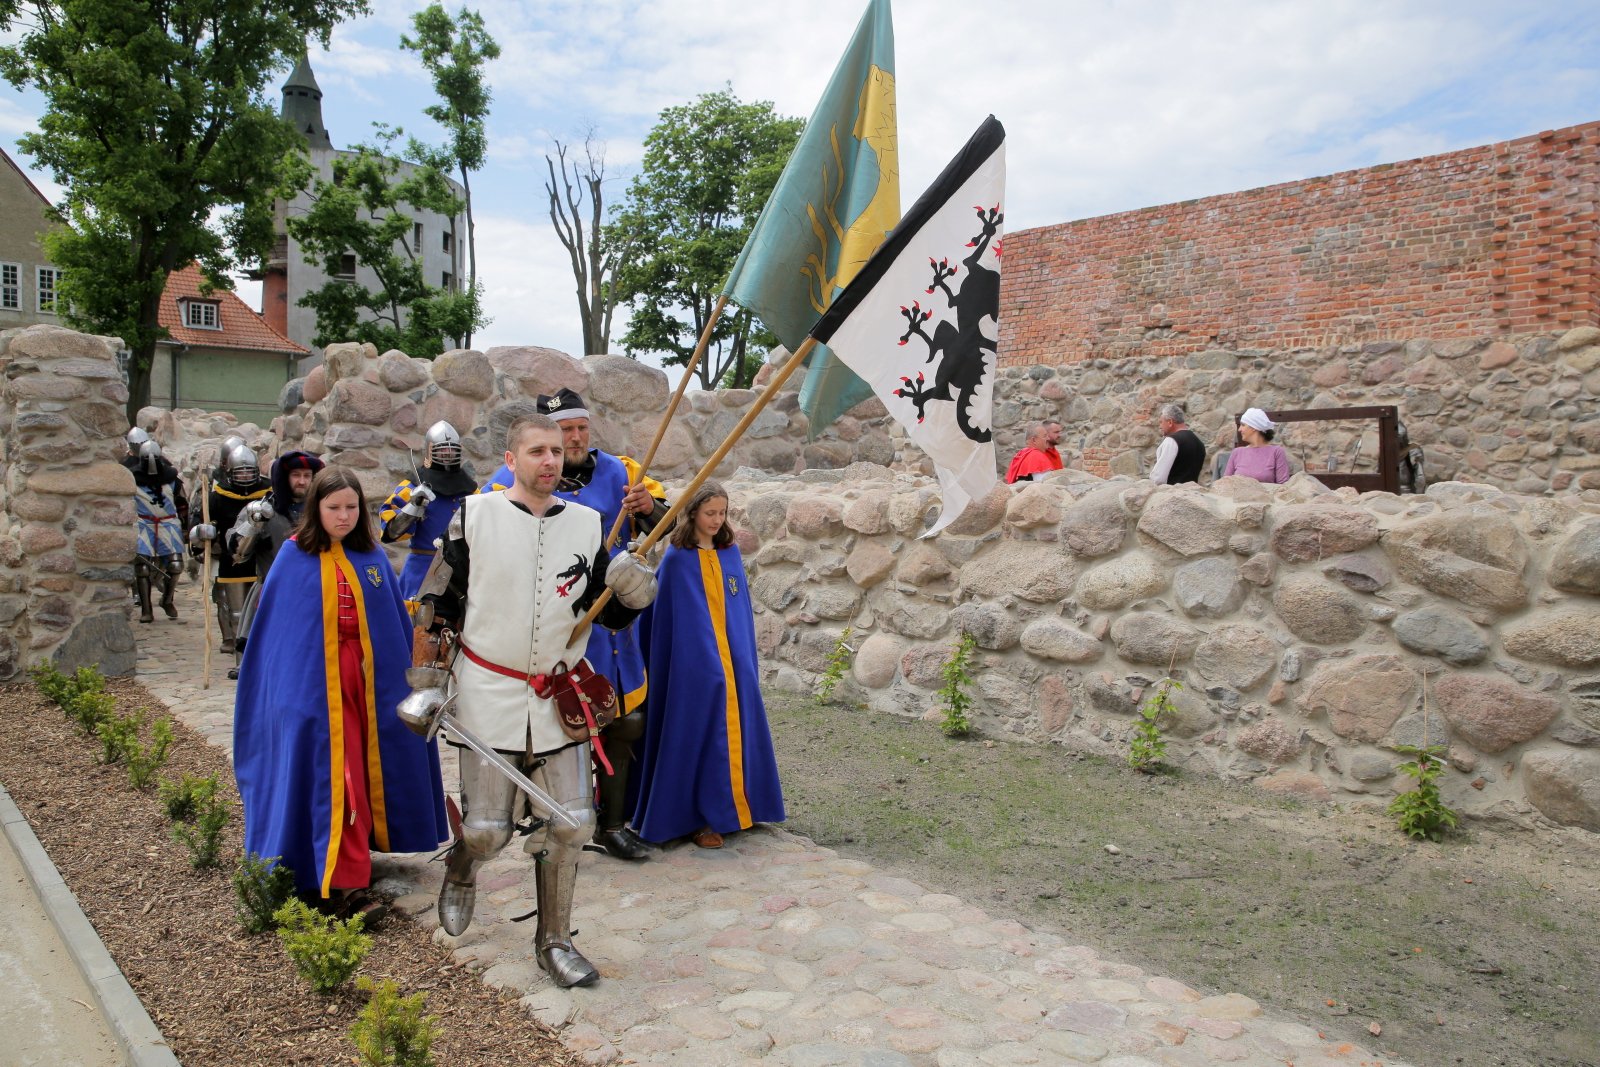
(540, 684)
(536, 682)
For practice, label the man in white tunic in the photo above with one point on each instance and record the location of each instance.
(516, 569)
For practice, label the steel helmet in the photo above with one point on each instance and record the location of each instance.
(239, 466)
(150, 456)
(443, 445)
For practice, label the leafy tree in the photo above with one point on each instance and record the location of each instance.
(158, 127)
(362, 212)
(708, 169)
(597, 255)
(454, 51)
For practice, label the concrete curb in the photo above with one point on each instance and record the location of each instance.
(140, 1040)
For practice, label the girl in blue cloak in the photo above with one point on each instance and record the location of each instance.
(327, 771)
(708, 767)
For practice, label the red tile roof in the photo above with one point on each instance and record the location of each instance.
(241, 327)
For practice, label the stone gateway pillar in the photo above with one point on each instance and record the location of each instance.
(67, 532)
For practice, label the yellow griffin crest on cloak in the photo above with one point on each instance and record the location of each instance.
(851, 246)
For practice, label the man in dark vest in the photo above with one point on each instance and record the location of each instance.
(1181, 454)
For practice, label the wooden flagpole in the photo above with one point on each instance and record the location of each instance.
(672, 406)
(761, 401)
(205, 583)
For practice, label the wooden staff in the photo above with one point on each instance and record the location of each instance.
(205, 583)
(672, 406)
(762, 400)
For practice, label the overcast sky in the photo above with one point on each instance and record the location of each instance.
(1108, 105)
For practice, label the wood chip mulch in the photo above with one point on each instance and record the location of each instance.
(221, 996)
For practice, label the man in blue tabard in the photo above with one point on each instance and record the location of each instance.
(418, 515)
(610, 485)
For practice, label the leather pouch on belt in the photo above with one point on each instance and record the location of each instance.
(586, 702)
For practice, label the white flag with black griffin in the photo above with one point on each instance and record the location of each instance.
(921, 321)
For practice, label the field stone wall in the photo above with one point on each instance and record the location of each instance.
(370, 412)
(1518, 413)
(67, 522)
(1312, 631)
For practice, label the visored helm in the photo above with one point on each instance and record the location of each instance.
(229, 443)
(240, 467)
(443, 445)
(135, 438)
(150, 457)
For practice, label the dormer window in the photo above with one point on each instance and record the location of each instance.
(202, 314)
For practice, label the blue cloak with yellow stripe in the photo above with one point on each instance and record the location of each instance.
(288, 725)
(707, 758)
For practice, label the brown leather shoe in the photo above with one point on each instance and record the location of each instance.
(707, 838)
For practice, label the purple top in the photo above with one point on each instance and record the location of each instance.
(1264, 463)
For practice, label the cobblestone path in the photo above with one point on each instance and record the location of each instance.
(776, 951)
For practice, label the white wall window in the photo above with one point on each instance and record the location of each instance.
(449, 242)
(448, 282)
(201, 314)
(347, 266)
(10, 287)
(47, 278)
(416, 237)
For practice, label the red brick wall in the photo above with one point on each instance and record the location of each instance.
(1496, 239)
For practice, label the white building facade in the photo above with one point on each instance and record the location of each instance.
(289, 274)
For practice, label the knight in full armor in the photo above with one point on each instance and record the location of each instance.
(264, 525)
(504, 592)
(237, 482)
(162, 512)
(1412, 477)
(417, 514)
(611, 485)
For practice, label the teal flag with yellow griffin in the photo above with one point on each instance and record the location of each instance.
(831, 209)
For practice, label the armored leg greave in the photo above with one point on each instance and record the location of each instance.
(171, 567)
(486, 802)
(611, 835)
(229, 599)
(141, 587)
(565, 775)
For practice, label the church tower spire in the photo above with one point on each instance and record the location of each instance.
(302, 105)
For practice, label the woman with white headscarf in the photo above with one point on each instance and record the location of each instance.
(1259, 459)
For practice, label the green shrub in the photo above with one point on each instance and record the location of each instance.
(1147, 748)
(325, 951)
(81, 696)
(91, 709)
(953, 695)
(261, 887)
(391, 1030)
(51, 682)
(838, 662)
(1420, 812)
(118, 733)
(144, 760)
(183, 800)
(204, 838)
